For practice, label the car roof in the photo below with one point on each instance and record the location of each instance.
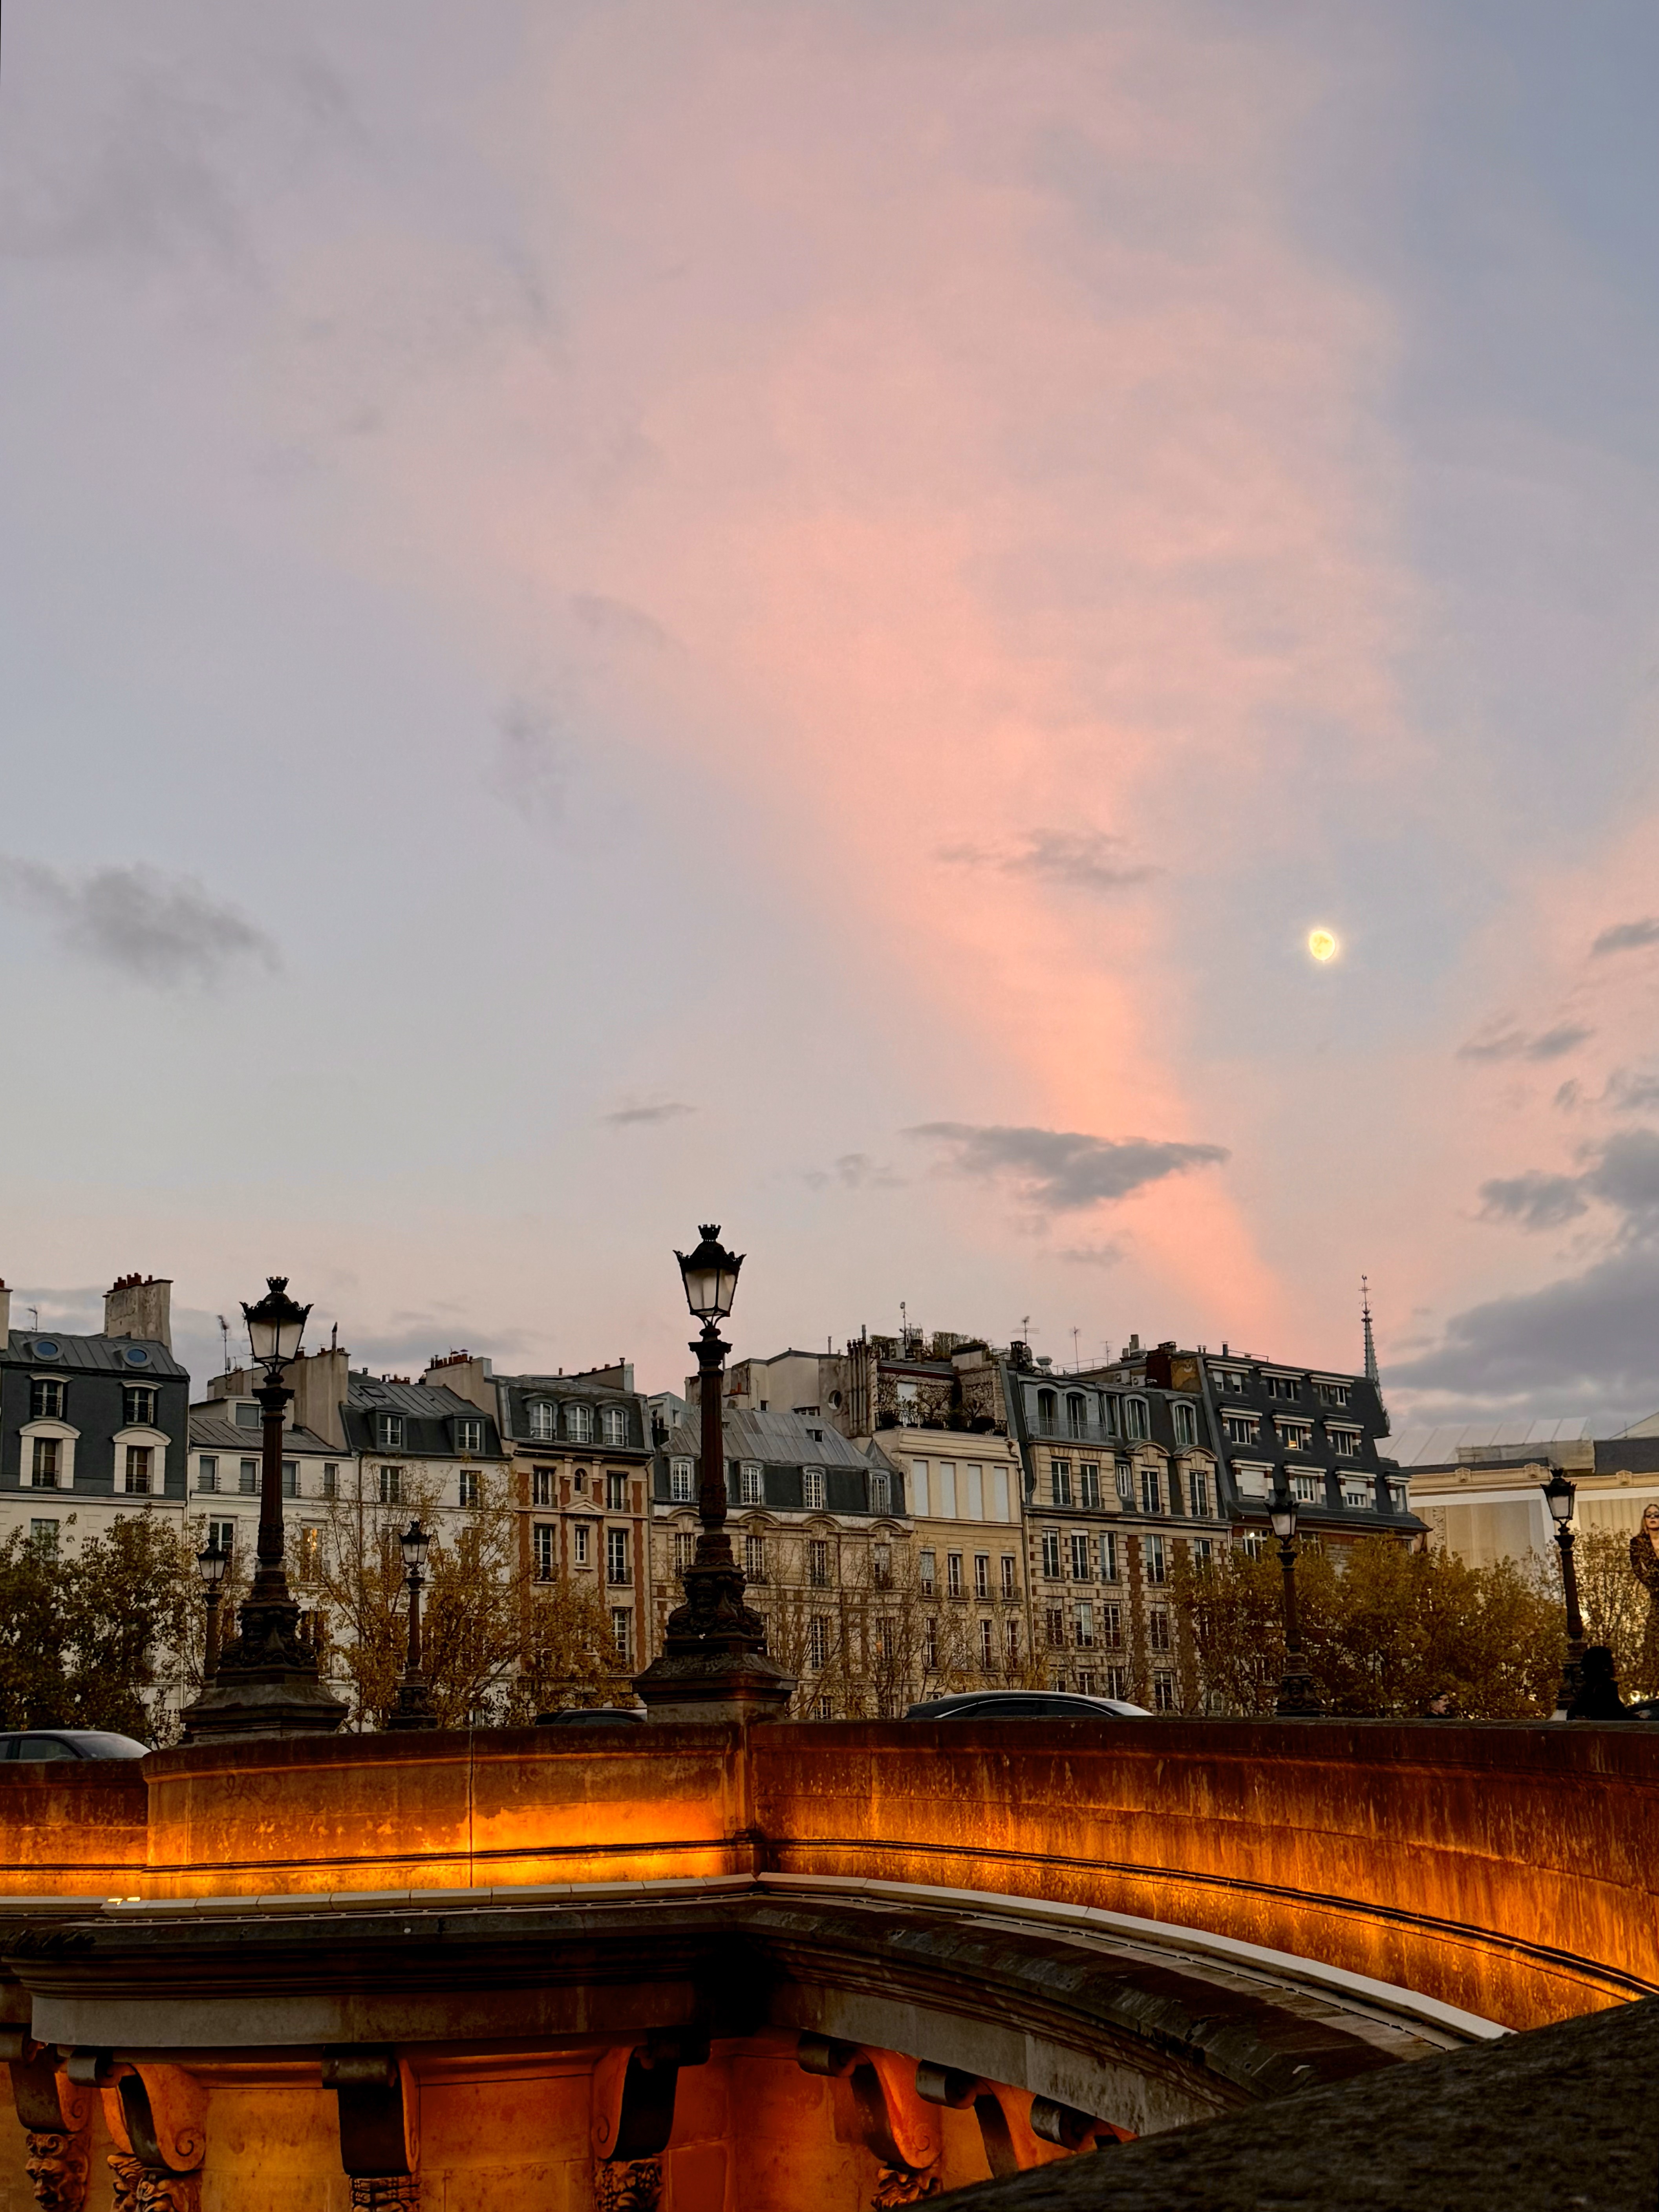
(109, 1740)
(1113, 1708)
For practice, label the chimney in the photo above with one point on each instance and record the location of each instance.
(318, 1380)
(140, 1306)
(5, 1315)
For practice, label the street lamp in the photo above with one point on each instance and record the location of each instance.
(713, 1664)
(1559, 1495)
(1298, 1698)
(414, 1707)
(210, 1565)
(266, 1682)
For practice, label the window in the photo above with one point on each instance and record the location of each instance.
(1151, 1491)
(330, 1478)
(1241, 1428)
(1198, 1491)
(1295, 1436)
(1085, 1625)
(881, 1492)
(888, 1638)
(1046, 1407)
(579, 1482)
(817, 1640)
(811, 1489)
(541, 1487)
(308, 1552)
(580, 1535)
(621, 1632)
(542, 1540)
(818, 1562)
(1396, 1497)
(753, 1558)
(207, 1473)
(930, 1645)
(1126, 1483)
(469, 1485)
(1054, 1622)
(1255, 1544)
(953, 1574)
(1051, 1553)
(751, 1484)
(1186, 1422)
(1082, 1559)
(1158, 1628)
(1109, 1557)
(988, 1651)
(616, 1556)
(43, 1536)
(616, 1492)
(1152, 1552)
(927, 1571)
(389, 1484)
(1085, 1681)
(1332, 1394)
(1011, 1641)
(1309, 1489)
(388, 1432)
(222, 1534)
(1076, 1414)
(136, 1474)
(1111, 1624)
(1203, 1551)
(1109, 1416)
(579, 1423)
(881, 1565)
(1088, 1487)
(47, 1398)
(290, 1477)
(1008, 1574)
(137, 1406)
(43, 1470)
(1060, 1481)
(1164, 1691)
(1281, 1386)
(1358, 1494)
(469, 1433)
(981, 1574)
(247, 1414)
(247, 1477)
(1117, 1682)
(1135, 1417)
(544, 1421)
(1345, 1443)
(613, 1426)
(685, 1550)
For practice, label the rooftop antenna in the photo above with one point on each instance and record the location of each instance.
(224, 1338)
(334, 1337)
(1024, 1328)
(1371, 1373)
(36, 1311)
(1077, 1357)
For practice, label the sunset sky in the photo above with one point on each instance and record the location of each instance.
(620, 614)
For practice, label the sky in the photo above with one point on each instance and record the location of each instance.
(615, 613)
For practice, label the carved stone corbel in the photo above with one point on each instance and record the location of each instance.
(157, 2119)
(379, 2126)
(894, 2124)
(56, 2116)
(633, 2095)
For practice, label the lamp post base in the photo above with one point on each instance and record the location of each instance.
(715, 1686)
(414, 1707)
(1299, 1696)
(267, 1682)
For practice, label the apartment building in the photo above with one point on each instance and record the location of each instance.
(821, 1527)
(1484, 1502)
(92, 1427)
(579, 1447)
(1120, 1478)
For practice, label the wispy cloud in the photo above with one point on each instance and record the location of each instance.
(631, 1117)
(1518, 1044)
(855, 1171)
(532, 768)
(1059, 1170)
(1534, 1200)
(1088, 860)
(158, 929)
(1622, 1174)
(1093, 1256)
(1632, 1093)
(1626, 937)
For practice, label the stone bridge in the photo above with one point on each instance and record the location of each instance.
(830, 1965)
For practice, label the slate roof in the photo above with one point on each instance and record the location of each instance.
(211, 1432)
(428, 1411)
(101, 1354)
(778, 1440)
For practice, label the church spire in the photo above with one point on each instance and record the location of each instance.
(1372, 1375)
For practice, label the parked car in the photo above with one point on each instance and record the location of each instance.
(70, 1743)
(1026, 1706)
(589, 1715)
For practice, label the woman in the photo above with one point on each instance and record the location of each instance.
(1644, 1566)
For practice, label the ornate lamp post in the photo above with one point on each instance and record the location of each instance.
(210, 1565)
(1298, 1698)
(713, 1665)
(266, 1682)
(414, 1707)
(1559, 1495)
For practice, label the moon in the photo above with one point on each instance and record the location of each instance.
(1321, 942)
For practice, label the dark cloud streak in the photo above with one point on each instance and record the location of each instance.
(1059, 1170)
(157, 929)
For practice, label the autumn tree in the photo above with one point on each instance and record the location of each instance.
(567, 1654)
(1383, 1636)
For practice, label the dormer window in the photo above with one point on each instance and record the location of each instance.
(613, 1426)
(469, 1433)
(579, 1423)
(137, 1406)
(388, 1432)
(680, 1482)
(247, 1414)
(47, 1398)
(1135, 1417)
(1186, 1423)
(811, 1489)
(544, 1421)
